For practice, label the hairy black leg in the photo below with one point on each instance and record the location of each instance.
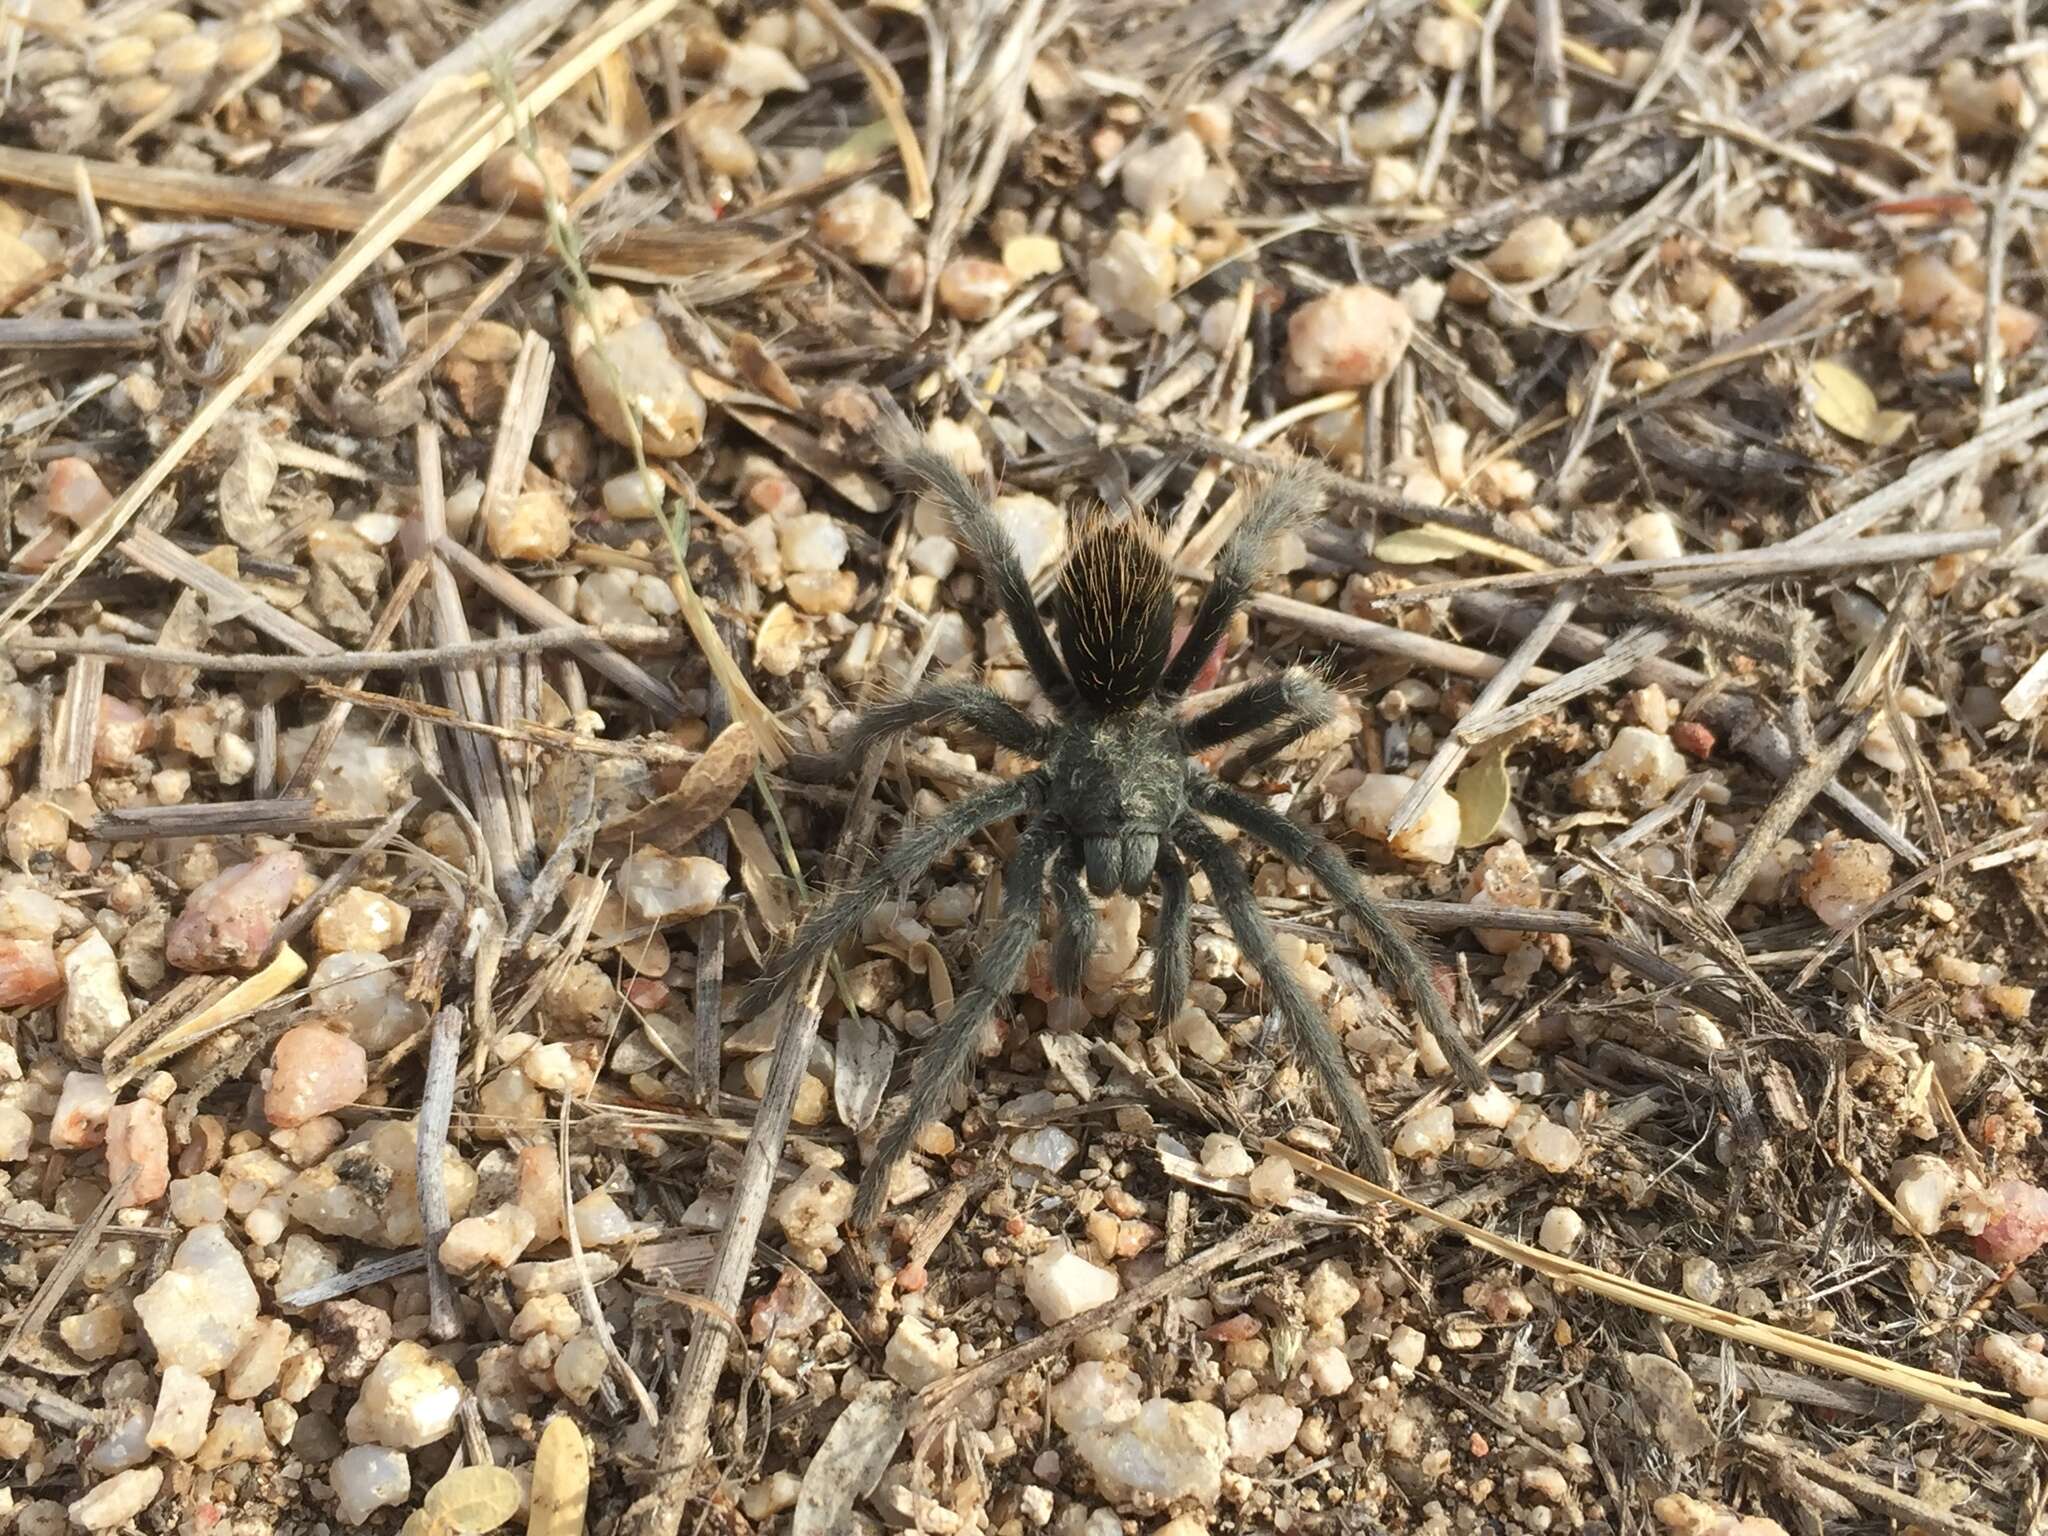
(1296, 701)
(1284, 502)
(993, 551)
(922, 843)
(1172, 945)
(1074, 940)
(1313, 1038)
(948, 1054)
(1394, 950)
(976, 707)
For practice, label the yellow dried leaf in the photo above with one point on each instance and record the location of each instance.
(472, 1500)
(561, 1481)
(1482, 796)
(1843, 401)
(1416, 546)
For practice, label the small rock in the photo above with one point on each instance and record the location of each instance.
(1407, 1347)
(1263, 1426)
(867, 224)
(183, 1401)
(1445, 42)
(1561, 1230)
(1224, 1157)
(972, 289)
(1328, 1293)
(1156, 179)
(763, 1501)
(362, 920)
(1550, 1146)
(227, 922)
(660, 886)
(1349, 339)
(1653, 536)
(353, 1336)
(523, 178)
(1095, 1394)
(529, 525)
(367, 1478)
(2019, 1229)
(202, 1310)
(2024, 1371)
(255, 1369)
(497, 1240)
(1534, 251)
(1327, 1370)
(810, 1211)
(1272, 1181)
(1433, 839)
(1683, 1515)
(1029, 256)
(94, 1009)
(813, 541)
(629, 374)
(30, 974)
(237, 1435)
(118, 1500)
(1131, 280)
(760, 71)
(84, 1104)
(1845, 879)
(1921, 1189)
(919, 1354)
(1638, 770)
(367, 992)
(601, 1221)
(1428, 1133)
(1036, 528)
(1165, 1453)
(1060, 1284)
(1049, 1147)
(409, 1399)
(313, 1071)
(138, 1140)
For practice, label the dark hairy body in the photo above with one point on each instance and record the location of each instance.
(1118, 802)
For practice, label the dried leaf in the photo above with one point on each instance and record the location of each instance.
(759, 872)
(1430, 542)
(1482, 796)
(1843, 401)
(244, 499)
(851, 1461)
(706, 793)
(561, 1481)
(448, 107)
(472, 1500)
(860, 1069)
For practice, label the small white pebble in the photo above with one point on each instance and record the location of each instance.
(1060, 1284)
(1428, 1133)
(1272, 1181)
(1224, 1157)
(1561, 1230)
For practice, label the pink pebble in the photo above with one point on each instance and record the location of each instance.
(29, 973)
(312, 1071)
(73, 491)
(2020, 1229)
(136, 1139)
(228, 921)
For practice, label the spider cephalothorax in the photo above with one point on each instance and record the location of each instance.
(1119, 800)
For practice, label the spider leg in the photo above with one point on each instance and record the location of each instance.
(1295, 701)
(920, 845)
(1313, 1037)
(1172, 945)
(1284, 502)
(1394, 950)
(948, 1054)
(1074, 940)
(997, 557)
(977, 707)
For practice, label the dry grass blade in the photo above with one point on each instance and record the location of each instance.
(1948, 1393)
(888, 88)
(613, 29)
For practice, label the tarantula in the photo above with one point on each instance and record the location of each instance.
(1118, 799)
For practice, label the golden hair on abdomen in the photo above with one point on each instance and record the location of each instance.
(1114, 609)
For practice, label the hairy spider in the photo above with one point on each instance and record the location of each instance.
(1118, 800)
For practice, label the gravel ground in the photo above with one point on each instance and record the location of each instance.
(453, 515)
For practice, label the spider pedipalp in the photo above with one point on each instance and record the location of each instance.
(1118, 800)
